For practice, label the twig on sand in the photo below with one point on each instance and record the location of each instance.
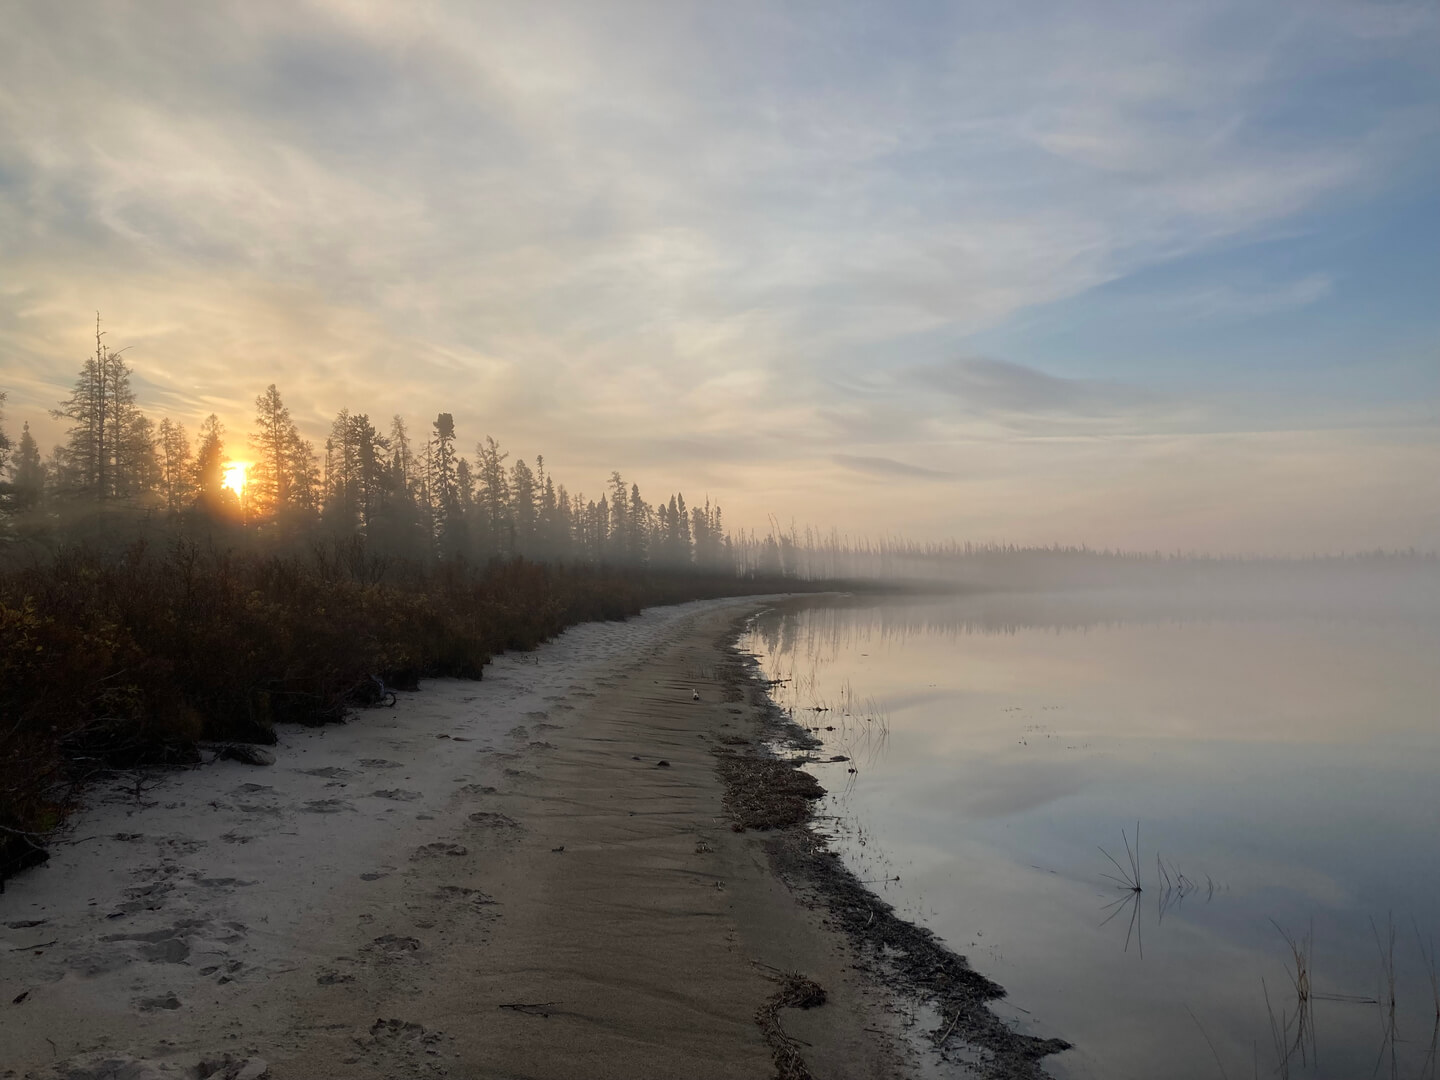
(526, 1006)
(946, 1033)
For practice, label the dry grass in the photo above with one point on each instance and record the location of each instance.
(796, 992)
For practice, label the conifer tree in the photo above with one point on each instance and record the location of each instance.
(619, 523)
(442, 467)
(563, 533)
(208, 475)
(4, 439)
(686, 554)
(402, 459)
(271, 481)
(304, 477)
(493, 497)
(27, 472)
(176, 468)
(641, 524)
(102, 455)
(141, 472)
(523, 507)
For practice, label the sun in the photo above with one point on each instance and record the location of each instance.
(234, 472)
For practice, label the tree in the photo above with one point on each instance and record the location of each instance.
(138, 471)
(562, 535)
(271, 480)
(356, 472)
(372, 469)
(442, 470)
(101, 454)
(523, 507)
(177, 471)
(4, 439)
(641, 521)
(304, 477)
(619, 520)
(27, 473)
(493, 496)
(402, 459)
(208, 475)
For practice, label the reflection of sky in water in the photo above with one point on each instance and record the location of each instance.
(1286, 766)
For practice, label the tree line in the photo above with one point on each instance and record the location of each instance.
(415, 495)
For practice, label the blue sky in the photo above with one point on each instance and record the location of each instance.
(1129, 274)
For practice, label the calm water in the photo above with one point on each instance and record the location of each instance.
(1284, 773)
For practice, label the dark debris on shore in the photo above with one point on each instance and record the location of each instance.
(767, 793)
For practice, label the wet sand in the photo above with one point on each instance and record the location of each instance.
(529, 876)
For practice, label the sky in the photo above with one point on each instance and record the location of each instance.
(1157, 276)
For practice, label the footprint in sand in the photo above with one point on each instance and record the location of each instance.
(396, 943)
(326, 806)
(461, 892)
(493, 821)
(438, 849)
(331, 772)
(398, 794)
(378, 763)
(152, 1004)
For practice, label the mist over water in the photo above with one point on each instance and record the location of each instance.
(1276, 748)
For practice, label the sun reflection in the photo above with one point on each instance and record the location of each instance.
(235, 476)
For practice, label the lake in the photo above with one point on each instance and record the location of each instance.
(1267, 778)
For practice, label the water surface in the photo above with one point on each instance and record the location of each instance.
(1281, 770)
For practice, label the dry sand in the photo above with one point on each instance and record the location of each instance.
(493, 879)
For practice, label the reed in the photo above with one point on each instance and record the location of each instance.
(1301, 951)
(1389, 1030)
(1129, 879)
(1427, 955)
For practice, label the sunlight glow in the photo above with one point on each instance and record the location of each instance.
(235, 476)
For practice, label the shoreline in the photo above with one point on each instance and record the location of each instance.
(909, 959)
(533, 875)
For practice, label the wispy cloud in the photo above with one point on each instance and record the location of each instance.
(986, 385)
(888, 467)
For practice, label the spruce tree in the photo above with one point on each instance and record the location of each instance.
(176, 468)
(27, 473)
(271, 479)
(4, 439)
(208, 472)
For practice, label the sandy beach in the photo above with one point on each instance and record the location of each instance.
(527, 876)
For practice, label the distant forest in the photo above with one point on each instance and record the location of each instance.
(408, 495)
(414, 495)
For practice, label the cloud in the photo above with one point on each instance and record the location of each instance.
(983, 385)
(888, 467)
